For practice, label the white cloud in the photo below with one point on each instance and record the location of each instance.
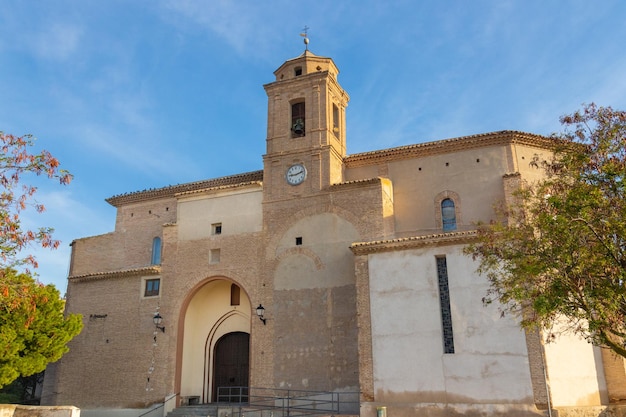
(59, 41)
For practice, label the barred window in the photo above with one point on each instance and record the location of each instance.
(444, 303)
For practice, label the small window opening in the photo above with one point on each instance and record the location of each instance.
(152, 287)
(447, 163)
(156, 251)
(335, 120)
(216, 228)
(297, 120)
(297, 71)
(477, 160)
(235, 292)
(448, 215)
(299, 241)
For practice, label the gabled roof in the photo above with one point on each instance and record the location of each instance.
(172, 190)
(450, 145)
(355, 160)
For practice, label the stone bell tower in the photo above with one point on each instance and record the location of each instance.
(306, 133)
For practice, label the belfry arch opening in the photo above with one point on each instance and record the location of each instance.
(215, 341)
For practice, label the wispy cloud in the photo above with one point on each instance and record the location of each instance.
(57, 42)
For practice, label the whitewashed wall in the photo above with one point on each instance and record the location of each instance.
(490, 363)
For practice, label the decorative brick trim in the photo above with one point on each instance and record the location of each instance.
(213, 190)
(503, 137)
(125, 273)
(537, 368)
(355, 183)
(303, 214)
(365, 248)
(172, 190)
(319, 265)
(457, 207)
(364, 324)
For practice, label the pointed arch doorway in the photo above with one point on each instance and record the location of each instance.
(215, 321)
(231, 367)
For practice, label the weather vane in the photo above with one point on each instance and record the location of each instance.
(305, 36)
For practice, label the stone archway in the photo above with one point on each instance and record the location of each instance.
(210, 315)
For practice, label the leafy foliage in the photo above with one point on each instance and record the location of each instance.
(558, 250)
(15, 162)
(33, 329)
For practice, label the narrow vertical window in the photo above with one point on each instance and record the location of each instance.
(156, 251)
(336, 120)
(448, 215)
(297, 120)
(444, 302)
(234, 294)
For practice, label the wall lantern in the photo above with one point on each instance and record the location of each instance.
(260, 311)
(157, 319)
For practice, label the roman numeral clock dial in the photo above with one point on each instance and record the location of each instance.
(296, 174)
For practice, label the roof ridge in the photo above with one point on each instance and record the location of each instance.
(171, 190)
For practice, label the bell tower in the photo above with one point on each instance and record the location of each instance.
(306, 133)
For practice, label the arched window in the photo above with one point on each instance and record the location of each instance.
(297, 120)
(156, 251)
(448, 215)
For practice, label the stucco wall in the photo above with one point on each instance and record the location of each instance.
(569, 359)
(490, 364)
(237, 212)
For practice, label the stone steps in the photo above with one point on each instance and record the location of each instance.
(201, 410)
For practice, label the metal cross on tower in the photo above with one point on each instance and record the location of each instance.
(305, 35)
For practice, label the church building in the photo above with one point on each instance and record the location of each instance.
(321, 273)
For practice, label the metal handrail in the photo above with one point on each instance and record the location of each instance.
(161, 405)
(287, 402)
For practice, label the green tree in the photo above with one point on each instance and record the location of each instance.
(557, 254)
(33, 329)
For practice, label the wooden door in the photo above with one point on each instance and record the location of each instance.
(232, 367)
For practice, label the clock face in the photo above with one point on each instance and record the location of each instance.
(296, 174)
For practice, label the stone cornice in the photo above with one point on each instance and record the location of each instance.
(503, 137)
(452, 238)
(172, 190)
(212, 190)
(124, 273)
(356, 183)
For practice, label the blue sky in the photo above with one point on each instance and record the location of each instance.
(131, 95)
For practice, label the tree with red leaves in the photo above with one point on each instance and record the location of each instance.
(15, 162)
(33, 329)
